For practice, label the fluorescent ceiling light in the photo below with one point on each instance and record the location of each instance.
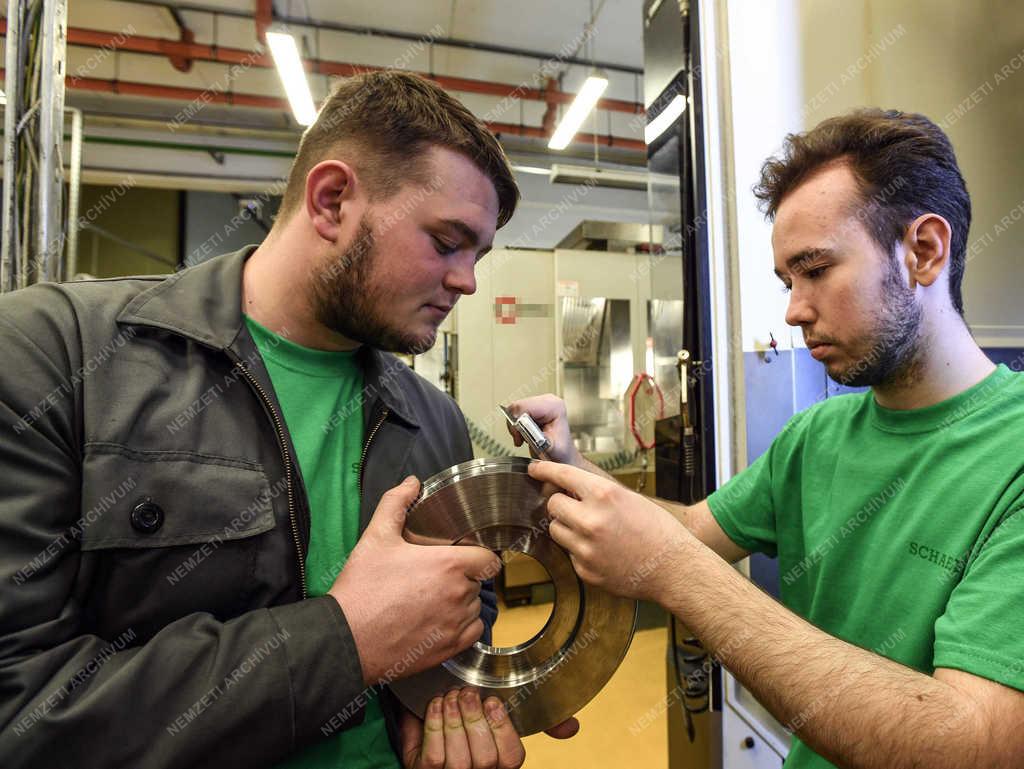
(531, 170)
(293, 76)
(622, 179)
(667, 117)
(578, 111)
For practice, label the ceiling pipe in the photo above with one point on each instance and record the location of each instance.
(128, 88)
(551, 113)
(263, 18)
(185, 35)
(149, 90)
(224, 55)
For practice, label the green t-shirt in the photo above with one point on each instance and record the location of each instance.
(319, 392)
(899, 531)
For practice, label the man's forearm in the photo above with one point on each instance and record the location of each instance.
(678, 510)
(855, 708)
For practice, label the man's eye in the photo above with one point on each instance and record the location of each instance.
(816, 272)
(444, 248)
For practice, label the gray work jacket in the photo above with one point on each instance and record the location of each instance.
(153, 526)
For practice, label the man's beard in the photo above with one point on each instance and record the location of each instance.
(346, 299)
(894, 354)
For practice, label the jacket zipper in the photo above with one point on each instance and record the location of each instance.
(366, 447)
(286, 458)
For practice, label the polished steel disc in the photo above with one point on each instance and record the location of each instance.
(496, 504)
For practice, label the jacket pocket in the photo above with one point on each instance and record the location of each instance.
(164, 534)
(186, 498)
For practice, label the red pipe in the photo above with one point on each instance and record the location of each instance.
(174, 92)
(173, 48)
(264, 16)
(548, 121)
(183, 63)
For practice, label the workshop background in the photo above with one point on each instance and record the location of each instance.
(150, 136)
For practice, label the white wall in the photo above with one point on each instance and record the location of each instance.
(795, 62)
(946, 60)
(766, 92)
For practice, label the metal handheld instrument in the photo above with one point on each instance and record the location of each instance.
(532, 434)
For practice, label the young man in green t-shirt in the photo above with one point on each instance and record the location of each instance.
(897, 514)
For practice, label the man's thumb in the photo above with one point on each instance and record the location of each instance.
(389, 517)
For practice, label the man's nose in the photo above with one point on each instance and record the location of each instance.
(799, 312)
(462, 276)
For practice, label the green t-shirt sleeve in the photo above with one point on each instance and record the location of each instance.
(745, 507)
(982, 629)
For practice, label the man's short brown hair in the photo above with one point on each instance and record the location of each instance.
(383, 123)
(904, 165)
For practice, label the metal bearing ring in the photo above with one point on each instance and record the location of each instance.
(494, 503)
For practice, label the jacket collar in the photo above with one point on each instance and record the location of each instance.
(204, 303)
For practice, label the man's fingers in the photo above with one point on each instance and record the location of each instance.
(472, 615)
(565, 536)
(564, 730)
(389, 517)
(482, 749)
(478, 563)
(432, 752)
(517, 439)
(456, 746)
(470, 633)
(411, 733)
(570, 478)
(543, 408)
(564, 508)
(511, 753)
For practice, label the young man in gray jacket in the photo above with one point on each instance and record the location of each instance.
(201, 559)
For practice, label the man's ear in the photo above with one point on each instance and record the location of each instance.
(330, 185)
(926, 248)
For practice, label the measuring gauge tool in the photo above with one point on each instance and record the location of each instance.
(532, 434)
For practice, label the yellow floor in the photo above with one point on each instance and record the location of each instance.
(634, 697)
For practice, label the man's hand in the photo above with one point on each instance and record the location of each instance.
(616, 539)
(548, 411)
(460, 732)
(398, 596)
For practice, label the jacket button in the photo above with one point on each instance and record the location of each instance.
(147, 516)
